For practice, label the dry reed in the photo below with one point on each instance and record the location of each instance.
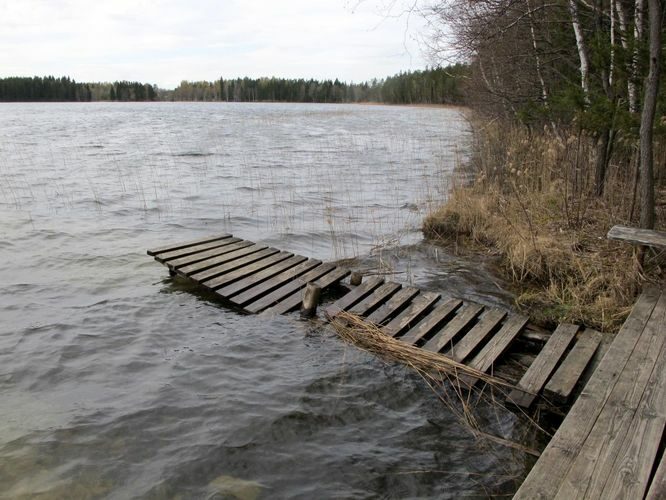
(451, 381)
(531, 205)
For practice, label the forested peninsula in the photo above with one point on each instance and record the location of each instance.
(430, 86)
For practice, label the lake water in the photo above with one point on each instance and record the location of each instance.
(118, 382)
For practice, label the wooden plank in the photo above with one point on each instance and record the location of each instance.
(537, 374)
(221, 281)
(561, 385)
(257, 278)
(609, 437)
(184, 252)
(437, 316)
(185, 244)
(487, 324)
(657, 489)
(227, 267)
(446, 335)
(638, 236)
(544, 479)
(633, 461)
(409, 316)
(375, 298)
(198, 257)
(294, 300)
(356, 295)
(253, 293)
(203, 265)
(288, 288)
(393, 305)
(499, 343)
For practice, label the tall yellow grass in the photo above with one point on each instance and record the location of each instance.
(529, 202)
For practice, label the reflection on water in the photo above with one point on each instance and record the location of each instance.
(118, 382)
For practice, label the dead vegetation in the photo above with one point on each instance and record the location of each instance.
(530, 203)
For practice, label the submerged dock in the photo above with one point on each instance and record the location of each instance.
(611, 441)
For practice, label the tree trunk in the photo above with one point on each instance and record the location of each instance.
(582, 50)
(647, 115)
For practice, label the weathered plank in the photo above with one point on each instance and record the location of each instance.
(198, 257)
(633, 460)
(393, 305)
(293, 302)
(480, 332)
(561, 385)
(253, 293)
(184, 252)
(638, 236)
(537, 374)
(446, 335)
(657, 489)
(261, 276)
(437, 316)
(545, 478)
(608, 438)
(203, 265)
(495, 347)
(177, 246)
(357, 294)
(409, 316)
(219, 282)
(233, 265)
(375, 298)
(287, 289)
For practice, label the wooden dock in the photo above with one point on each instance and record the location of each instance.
(610, 444)
(259, 279)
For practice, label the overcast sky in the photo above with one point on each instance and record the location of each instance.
(166, 41)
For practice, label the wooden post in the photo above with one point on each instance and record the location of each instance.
(310, 300)
(356, 278)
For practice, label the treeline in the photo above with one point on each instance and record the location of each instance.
(49, 88)
(429, 86)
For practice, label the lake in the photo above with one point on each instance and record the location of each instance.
(119, 382)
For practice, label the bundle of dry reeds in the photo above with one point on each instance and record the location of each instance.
(451, 381)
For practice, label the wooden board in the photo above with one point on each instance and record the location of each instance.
(356, 295)
(233, 265)
(203, 265)
(393, 305)
(287, 289)
(537, 374)
(184, 252)
(437, 316)
(247, 270)
(293, 302)
(376, 298)
(546, 476)
(561, 385)
(638, 236)
(261, 276)
(410, 316)
(198, 257)
(495, 347)
(657, 489)
(265, 287)
(186, 244)
(638, 385)
(446, 335)
(488, 323)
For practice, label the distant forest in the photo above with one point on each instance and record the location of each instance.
(429, 86)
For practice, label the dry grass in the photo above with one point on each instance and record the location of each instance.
(529, 204)
(452, 382)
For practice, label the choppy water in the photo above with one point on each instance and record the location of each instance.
(117, 382)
